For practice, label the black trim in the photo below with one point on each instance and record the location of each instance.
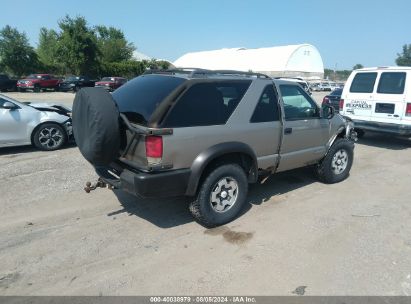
(204, 158)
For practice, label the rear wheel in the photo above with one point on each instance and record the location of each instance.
(336, 165)
(49, 136)
(221, 196)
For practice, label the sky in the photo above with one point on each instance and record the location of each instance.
(346, 32)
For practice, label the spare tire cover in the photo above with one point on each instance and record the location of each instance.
(96, 125)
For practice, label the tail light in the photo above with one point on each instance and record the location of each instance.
(408, 110)
(154, 149)
(341, 104)
(326, 100)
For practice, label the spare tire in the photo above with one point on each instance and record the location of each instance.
(96, 125)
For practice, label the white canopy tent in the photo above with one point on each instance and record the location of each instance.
(292, 60)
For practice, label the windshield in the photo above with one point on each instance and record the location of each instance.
(140, 97)
(33, 76)
(72, 78)
(336, 92)
(107, 79)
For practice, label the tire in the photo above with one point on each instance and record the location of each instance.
(360, 133)
(96, 126)
(49, 137)
(37, 89)
(336, 165)
(218, 183)
(20, 90)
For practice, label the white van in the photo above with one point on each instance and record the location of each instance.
(379, 99)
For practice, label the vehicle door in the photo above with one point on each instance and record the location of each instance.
(14, 124)
(47, 81)
(358, 100)
(305, 133)
(389, 100)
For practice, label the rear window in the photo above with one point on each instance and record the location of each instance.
(206, 104)
(391, 83)
(363, 83)
(141, 96)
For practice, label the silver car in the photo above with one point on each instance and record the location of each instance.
(46, 126)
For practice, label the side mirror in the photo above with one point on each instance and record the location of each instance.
(328, 112)
(9, 105)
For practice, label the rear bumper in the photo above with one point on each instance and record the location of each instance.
(397, 129)
(158, 184)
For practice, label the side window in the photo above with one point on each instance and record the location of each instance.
(267, 107)
(391, 83)
(297, 104)
(45, 77)
(363, 83)
(206, 104)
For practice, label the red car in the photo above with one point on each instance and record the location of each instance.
(38, 82)
(110, 83)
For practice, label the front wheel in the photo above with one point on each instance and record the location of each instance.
(221, 196)
(49, 137)
(336, 165)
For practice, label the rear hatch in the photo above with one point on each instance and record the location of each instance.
(389, 100)
(140, 104)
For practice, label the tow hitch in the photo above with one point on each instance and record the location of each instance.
(99, 184)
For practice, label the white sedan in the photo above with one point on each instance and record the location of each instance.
(46, 126)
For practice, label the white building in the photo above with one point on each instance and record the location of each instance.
(302, 60)
(140, 56)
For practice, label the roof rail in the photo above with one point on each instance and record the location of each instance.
(195, 72)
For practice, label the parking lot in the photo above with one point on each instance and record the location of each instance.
(350, 238)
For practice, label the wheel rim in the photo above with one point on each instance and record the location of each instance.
(50, 137)
(339, 162)
(224, 194)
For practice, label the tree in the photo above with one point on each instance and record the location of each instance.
(16, 55)
(77, 46)
(47, 50)
(358, 66)
(404, 59)
(113, 45)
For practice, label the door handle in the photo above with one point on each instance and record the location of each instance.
(288, 130)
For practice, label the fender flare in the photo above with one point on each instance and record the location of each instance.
(207, 156)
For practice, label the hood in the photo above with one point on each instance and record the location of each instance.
(31, 80)
(69, 81)
(105, 82)
(51, 107)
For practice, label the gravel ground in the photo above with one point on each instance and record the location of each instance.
(351, 238)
